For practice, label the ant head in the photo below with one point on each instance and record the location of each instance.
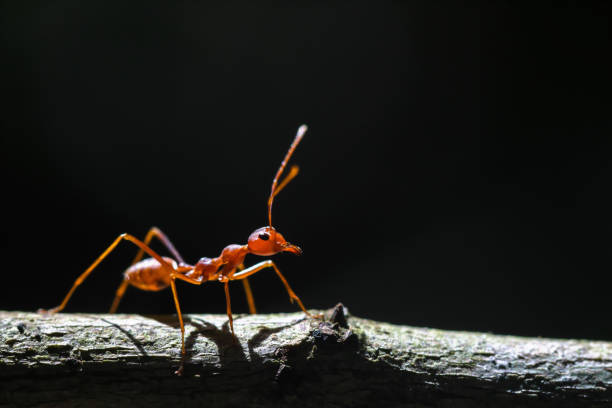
(266, 241)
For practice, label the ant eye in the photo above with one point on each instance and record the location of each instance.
(264, 236)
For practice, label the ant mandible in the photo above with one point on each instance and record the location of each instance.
(157, 273)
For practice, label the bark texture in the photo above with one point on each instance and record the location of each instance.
(281, 359)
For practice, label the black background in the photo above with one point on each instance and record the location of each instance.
(456, 173)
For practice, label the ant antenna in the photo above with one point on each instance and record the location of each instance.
(298, 137)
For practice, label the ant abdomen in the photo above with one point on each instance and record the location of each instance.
(149, 274)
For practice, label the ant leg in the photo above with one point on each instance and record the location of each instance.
(118, 296)
(173, 276)
(153, 232)
(104, 254)
(180, 315)
(270, 264)
(157, 233)
(249, 296)
(229, 307)
(248, 292)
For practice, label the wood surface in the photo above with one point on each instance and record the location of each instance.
(288, 360)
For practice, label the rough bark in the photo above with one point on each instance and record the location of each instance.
(281, 359)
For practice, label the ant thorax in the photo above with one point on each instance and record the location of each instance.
(233, 255)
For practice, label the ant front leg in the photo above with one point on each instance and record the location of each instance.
(248, 292)
(154, 232)
(93, 266)
(270, 264)
(228, 305)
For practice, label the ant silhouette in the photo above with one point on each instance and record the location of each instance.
(159, 272)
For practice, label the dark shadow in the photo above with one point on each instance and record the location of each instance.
(261, 336)
(134, 340)
(229, 348)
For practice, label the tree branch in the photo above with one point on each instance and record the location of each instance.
(281, 359)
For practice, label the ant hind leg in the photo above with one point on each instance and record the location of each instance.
(93, 266)
(155, 232)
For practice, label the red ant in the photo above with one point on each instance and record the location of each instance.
(157, 273)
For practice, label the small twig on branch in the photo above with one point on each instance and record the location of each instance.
(281, 359)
